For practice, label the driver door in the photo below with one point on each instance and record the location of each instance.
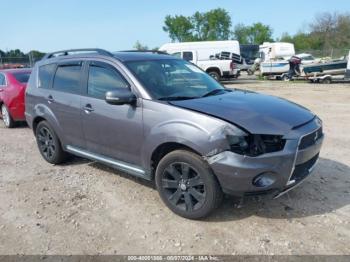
(114, 131)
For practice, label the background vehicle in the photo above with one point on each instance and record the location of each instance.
(13, 83)
(329, 76)
(347, 73)
(249, 53)
(159, 117)
(206, 55)
(274, 58)
(307, 59)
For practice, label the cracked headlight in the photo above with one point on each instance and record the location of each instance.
(238, 144)
(252, 144)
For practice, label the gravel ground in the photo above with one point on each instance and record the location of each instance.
(85, 208)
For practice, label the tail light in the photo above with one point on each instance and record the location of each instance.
(232, 65)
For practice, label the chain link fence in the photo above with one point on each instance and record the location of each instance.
(326, 53)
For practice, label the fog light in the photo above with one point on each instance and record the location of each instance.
(264, 179)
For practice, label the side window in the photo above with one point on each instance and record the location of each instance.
(2, 80)
(67, 78)
(177, 54)
(103, 79)
(188, 56)
(46, 73)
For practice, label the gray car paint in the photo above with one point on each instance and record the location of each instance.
(257, 113)
(132, 133)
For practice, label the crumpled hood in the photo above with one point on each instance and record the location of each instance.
(257, 113)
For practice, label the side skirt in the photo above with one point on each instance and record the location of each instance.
(120, 165)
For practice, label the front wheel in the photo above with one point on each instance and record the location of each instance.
(187, 185)
(49, 144)
(6, 117)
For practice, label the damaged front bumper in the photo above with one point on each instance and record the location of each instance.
(272, 173)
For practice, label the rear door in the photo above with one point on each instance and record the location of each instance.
(3, 84)
(64, 99)
(115, 131)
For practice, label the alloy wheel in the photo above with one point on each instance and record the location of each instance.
(46, 142)
(5, 115)
(183, 187)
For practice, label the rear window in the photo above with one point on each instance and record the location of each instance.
(45, 75)
(22, 77)
(67, 78)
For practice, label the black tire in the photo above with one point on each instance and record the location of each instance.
(6, 117)
(49, 144)
(284, 77)
(187, 185)
(214, 75)
(327, 81)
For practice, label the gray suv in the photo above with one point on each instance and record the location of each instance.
(161, 118)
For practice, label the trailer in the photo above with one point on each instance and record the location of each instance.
(327, 78)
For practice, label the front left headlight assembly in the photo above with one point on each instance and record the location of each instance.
(252, 144)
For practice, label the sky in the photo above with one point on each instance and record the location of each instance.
(48, 25)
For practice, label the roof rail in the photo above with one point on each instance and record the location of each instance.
(66, 52)
(146, 51)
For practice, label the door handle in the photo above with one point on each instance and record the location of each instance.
(88, 108)
(50, 99)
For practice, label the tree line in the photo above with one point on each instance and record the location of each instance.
(16, 53)
(326, 31)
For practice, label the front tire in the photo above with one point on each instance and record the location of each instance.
(187, 185)
(6, 117)
(49, 144)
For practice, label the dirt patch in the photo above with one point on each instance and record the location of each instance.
(85, 208)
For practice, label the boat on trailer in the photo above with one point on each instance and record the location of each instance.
(333, 67)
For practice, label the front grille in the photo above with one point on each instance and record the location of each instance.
(302, 170)
(310, 139)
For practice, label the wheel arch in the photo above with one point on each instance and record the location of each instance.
(214, 69)
(36, 121)
(165, 148)
(43, 113)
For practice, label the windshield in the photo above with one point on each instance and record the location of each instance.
(173, 79)
(22, 77)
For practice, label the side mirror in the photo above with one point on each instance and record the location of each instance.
(120, 96)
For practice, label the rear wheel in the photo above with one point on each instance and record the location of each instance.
(214, 75)
(6, 117)
(187, 185)
(327, 80)
(49, 144)
(284, 77)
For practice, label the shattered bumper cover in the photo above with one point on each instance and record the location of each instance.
(286, 169)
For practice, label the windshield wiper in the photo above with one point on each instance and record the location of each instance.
(214, 92)
(173, 98)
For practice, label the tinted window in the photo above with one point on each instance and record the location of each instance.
(103, 79)
(188, 56)
(45, 75)
(2, 80)
(22, 77)
(67, 78)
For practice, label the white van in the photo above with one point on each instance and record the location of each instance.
(204, 55)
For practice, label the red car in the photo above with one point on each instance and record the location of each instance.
(13, 83)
